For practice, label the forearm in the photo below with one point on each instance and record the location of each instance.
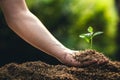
(34, 32)
(30, 28)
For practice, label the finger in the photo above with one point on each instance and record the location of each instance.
(88, 63)
(75, 64)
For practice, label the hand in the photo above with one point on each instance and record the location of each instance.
(68, 59)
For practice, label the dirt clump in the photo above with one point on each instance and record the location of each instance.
(89, 55)
(41, 71)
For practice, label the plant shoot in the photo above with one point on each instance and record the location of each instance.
(89, 36)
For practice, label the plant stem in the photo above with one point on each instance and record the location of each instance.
(91, 42)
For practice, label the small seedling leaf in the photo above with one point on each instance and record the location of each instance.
(82, 35)
(86, 37)
(97, 33)
(90, 29)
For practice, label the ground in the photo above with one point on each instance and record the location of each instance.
(38, 70)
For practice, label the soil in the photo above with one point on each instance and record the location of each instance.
(38, 70)
(89, 55)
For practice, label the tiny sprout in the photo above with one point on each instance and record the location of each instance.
(89, 36)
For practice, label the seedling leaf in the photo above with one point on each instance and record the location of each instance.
(90, 29)
(97, 33)
(86, 37)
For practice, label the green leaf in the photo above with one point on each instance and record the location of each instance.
(86, 36)
(90, 29)
(97, 33)
(82, 36)
(87, 39)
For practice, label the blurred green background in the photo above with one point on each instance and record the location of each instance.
(66, 20)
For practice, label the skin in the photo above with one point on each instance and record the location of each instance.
(31, 29)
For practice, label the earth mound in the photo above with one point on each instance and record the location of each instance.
(38, 70)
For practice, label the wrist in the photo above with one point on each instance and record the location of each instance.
(61, 55)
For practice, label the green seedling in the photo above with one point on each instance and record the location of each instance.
(89, 36)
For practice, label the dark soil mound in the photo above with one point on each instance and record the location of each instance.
(89, 55)
(41, 71)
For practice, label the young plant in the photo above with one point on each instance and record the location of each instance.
(89, 36)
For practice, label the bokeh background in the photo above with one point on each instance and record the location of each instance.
(66, 20)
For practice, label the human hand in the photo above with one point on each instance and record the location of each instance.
(69, 59)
